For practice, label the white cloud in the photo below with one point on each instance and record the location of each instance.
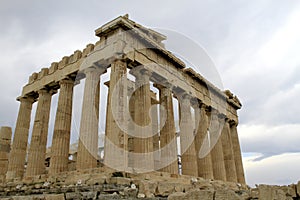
(276, 170)
(270, 140)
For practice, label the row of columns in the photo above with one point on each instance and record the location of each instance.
(223, 162)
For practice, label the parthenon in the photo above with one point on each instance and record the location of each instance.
(140, 132)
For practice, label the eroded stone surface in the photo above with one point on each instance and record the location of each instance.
(156, 186)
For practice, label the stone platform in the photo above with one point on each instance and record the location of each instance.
(103, 183)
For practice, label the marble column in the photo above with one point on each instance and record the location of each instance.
(217, 156)
(62, 128)
(87, 154)
(168, 141)
(237, 153)
(37, 150)
(202, 144)
(187, 143)
(228, 153)
(131, 102)
(155, 129)
(5, 138)
(116, 138)
(19, 146)
(143, 137)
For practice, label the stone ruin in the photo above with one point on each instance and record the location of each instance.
(141, 141)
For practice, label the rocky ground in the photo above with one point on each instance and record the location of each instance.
(106, 184)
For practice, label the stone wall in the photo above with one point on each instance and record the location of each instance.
(102, 183)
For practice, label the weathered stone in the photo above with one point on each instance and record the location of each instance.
(97, 180)
(130, 192)
(142, 145)
(266, 192)
(177, 196)
(37, 150)
(116, 141)
(167, 138)
(237, 153)
(89, 195)
(19, 146)
(119, 181)
(193, 194)
(88, 139)
(54, 197)
(62, 129)
(298, 188)
(289, 190)
(5, 138)
(165, 188)
(147, 187)
(187, 144)
(199, 194)
(72, 196)
(226, 194)
(202, 146)
(217, 155)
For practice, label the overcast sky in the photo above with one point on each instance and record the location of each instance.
(255, 46)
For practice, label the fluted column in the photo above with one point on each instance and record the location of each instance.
(217, 156)
(187, 143)
(237, 153)
(168, 141)
(202, 145)
(155, 129)
(143, 140)
(87, 154)
(37, 150)
(116, 138)
(131, 102)
(19, 146)
(62, 128)
(228, 153)
(5, 138)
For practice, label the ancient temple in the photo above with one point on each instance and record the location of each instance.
(140, 134)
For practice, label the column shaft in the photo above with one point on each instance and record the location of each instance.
(155, 129)
(228, 153)
(37, 150)
(237, 154)
(217, 156)
(116, 138)
(5, 138)
(187, 143)
(143, 140)
(62, 129)
(19, 146)
(205, 169)
(131, 131)
(168, 141)
(87, 155)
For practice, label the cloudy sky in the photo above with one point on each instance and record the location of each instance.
(255, 46)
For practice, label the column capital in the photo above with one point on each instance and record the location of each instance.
(66, 81)
(119, 61)
(204, 107)
(163, 85)
(26, 98)
(46, 91)
(94, 70)
(183, 96)
(196, 103)
(163, 90)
